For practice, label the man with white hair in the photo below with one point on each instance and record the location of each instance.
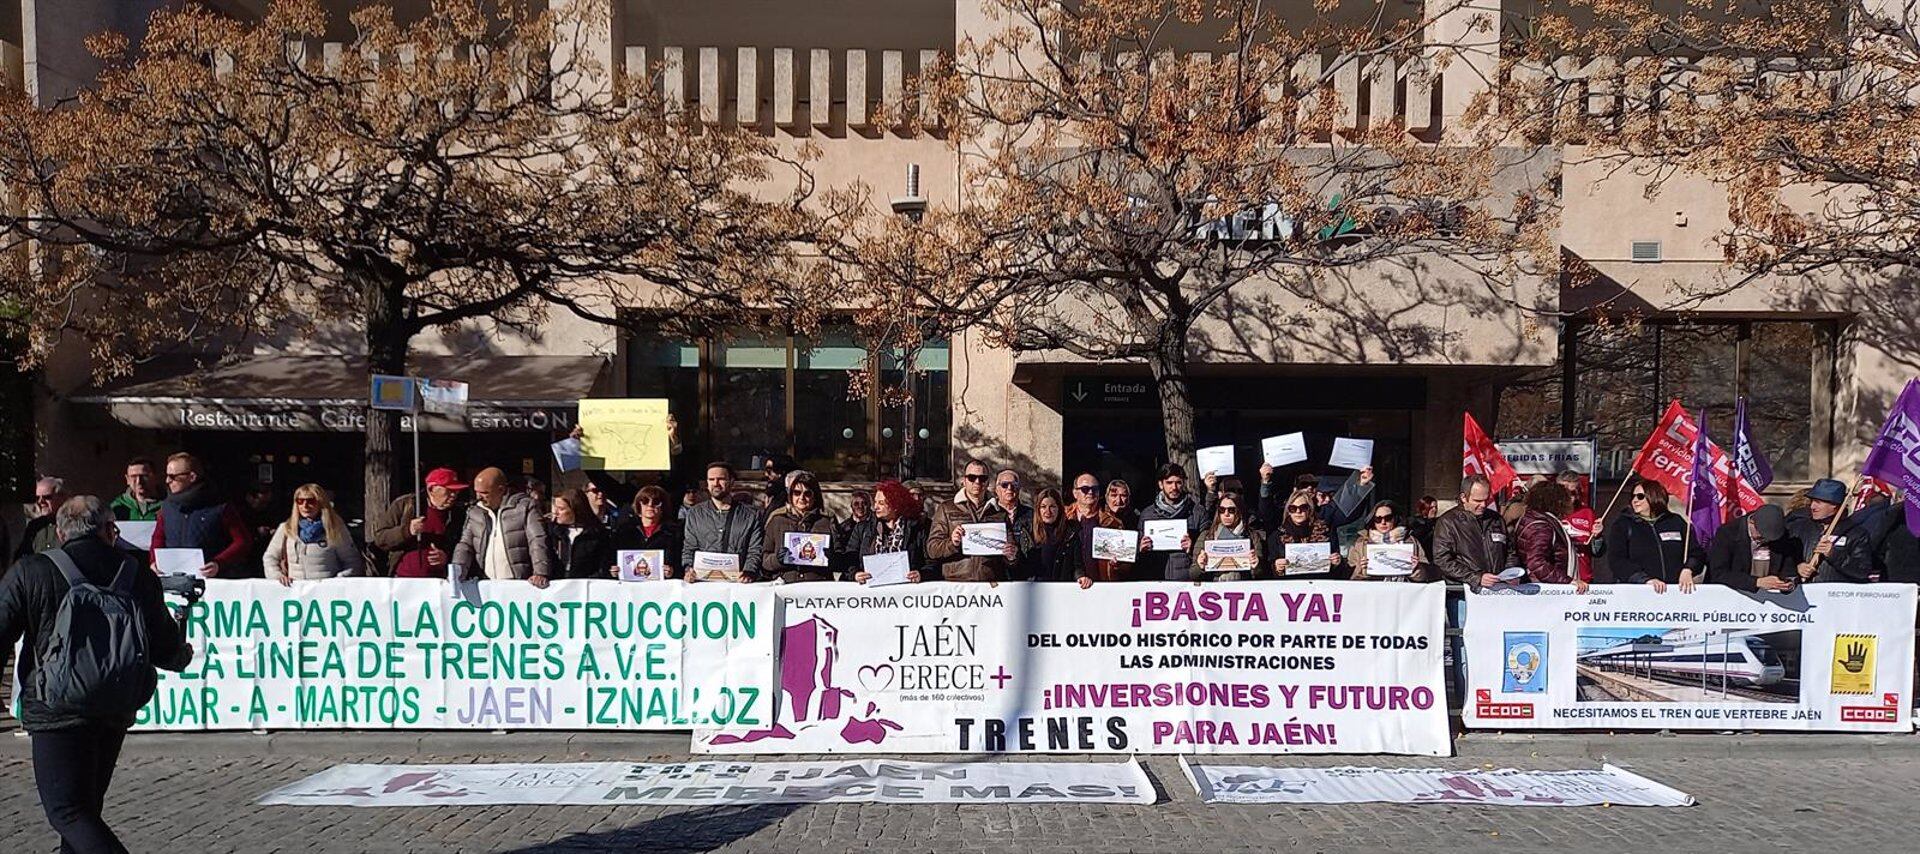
(48, 493)
(77, 716)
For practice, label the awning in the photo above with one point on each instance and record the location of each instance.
(292, 393)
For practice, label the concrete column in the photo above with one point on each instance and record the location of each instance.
(1381, 83)
(820, 87)
(783, 95)
(1469, 36)
(893, 86)
(746, 108)
(673, 71)
(929, 105)
(1419, 110)
(857, 88)
(710, 85)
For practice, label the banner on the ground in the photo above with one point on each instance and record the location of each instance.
(373, 653)
(1823, 657)
(1254, 667)
(1507, 787)
(721, 784)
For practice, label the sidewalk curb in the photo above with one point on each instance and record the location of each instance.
(554, 746)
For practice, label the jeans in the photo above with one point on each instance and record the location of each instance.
(72, 768)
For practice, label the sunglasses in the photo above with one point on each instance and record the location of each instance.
(1008, 484)
(976, 478)
(1639, 496)
(1379, 519)
(181, 476)
(650, 502)
(1299, 508)
(1086, 490)
(1228, 508)
(305, 500)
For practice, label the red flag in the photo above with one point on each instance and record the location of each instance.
(1667, 458)
(1479, 456)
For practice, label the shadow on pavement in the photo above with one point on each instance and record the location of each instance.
(702, 829)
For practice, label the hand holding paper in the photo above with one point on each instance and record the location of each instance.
(1351, 453)
(1284, 450)
(1216, 460)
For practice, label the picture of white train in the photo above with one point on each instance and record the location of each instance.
(1736, 656)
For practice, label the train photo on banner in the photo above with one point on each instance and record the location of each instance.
(1687, 665)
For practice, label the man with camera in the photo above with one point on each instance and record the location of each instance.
(95, 625)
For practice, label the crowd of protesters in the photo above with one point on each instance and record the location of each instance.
(504, 528)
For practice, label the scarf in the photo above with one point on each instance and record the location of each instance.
(313, 532)
(891, 536)
(1174, 509)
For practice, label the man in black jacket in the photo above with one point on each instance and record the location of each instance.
(74, 755)
(1755, 552)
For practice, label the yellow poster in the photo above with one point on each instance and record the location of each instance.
(624, 434)
(1853, 663)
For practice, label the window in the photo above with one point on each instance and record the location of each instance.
(742, 397)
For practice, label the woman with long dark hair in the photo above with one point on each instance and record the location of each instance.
(582, 547)
(1050, 544)
(1546, 548)
(1646, 544)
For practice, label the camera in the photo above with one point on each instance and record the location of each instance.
(188, 587)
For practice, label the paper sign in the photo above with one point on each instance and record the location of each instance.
(886, 568)
(1390, 560)
(1231, 555)
(137, 535)
(443, 397)
(624, 434)
(804, 549)
(1284, 450)
(1512, 573)
(567, 454)
(1309, 558)
(178, 561)
(1164, 534)
(1115, 544)
(642, 564)
(984, 539)
(391, 393)
(1351, 453)
(715, 566)
(1217, 460)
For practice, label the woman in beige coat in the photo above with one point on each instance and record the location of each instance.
(313, 543)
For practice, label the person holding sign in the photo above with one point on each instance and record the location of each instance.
(195, 517)
(582, 547)
(1172, 504)
(650, 528)
(1339, 503)
(793, 559)
(1231, 548)
(722, 525)
(897, 529)
(1300, 524)
(1049, 543)
(970, 507)
(1384, 528)
(1470, 540)
(1088, 515)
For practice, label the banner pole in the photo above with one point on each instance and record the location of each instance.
(1834, 522)
(419, 499)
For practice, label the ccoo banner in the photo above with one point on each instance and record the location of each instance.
(1309, 667)
(1823, 657)
(721, 784)
(371, 653)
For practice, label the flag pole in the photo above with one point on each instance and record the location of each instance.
(1834, 522)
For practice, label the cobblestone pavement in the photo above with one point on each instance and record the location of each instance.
(1757, 793)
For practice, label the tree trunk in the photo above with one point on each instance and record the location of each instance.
(387, 337)
(1169, 366)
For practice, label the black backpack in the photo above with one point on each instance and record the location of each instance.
(95, 663)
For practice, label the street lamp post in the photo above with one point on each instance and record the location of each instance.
(913, 207)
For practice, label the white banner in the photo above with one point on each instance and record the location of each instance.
(713, 783)
(1824, 657)
(1152, 667)
(1610, 785)
(376, 653)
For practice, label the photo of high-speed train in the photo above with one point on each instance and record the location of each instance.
(1690, 664)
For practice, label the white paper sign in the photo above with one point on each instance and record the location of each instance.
(716, 566)
(642, 564)
(1389, 560)
(1231, 555)
(1351, 453)
(1164, 534)
(886, 568)
(178, 561)
(804, 549)
(984, 539)
(138, 535)
(1284, 450)
(1217, 460)
(566, 454)
(1115, 544)
(1309, 558)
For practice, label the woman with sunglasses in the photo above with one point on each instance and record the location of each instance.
(652, 527)
(1384, 527)
(1229, 523)
(313, 543)
(1301, 524)
(1646, 543)
(898, 527)
(802, 513)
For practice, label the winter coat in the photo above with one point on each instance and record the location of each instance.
(30, 597)
(1103, 569)
(1318, 531)
(1729, 559)
(1640, 550)
(1423, 570)
(526, 538)
(913, 541)
(1860, 546)
(946, 558)
(1808, 530)
(588, 554)
(195, 519)
(301, 561)
(127, 508)
(848, 534)
(628, 535)
(1262, 562)
(773, 549)
(1466, 546)
(407, 554)
(739, 531)
(1039, 563)
(1172, 565)
(1546, 549)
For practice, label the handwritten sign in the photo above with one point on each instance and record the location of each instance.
(624, 434)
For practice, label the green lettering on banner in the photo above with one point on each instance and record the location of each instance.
(589, 666)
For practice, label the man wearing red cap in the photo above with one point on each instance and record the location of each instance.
(419, 546)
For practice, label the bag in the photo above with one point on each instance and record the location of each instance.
(96, 662)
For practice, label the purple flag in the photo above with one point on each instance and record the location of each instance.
(1895, 457)
(1703, 495)
(1747, 459)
